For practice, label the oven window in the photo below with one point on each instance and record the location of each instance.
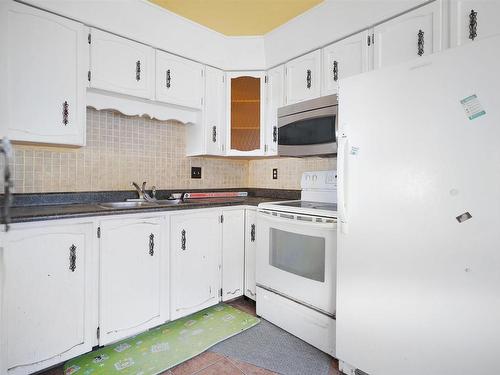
(308, 132)
(298, 254)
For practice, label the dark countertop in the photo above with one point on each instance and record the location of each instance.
(64, 210)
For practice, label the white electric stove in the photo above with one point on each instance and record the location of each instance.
(296, 261)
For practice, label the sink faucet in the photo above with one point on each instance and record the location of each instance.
(143, 195)
(6, 150)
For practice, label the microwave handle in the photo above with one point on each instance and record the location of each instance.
(343, 146)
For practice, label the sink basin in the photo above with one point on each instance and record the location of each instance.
(114, 205)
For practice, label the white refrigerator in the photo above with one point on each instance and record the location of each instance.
(419, 204)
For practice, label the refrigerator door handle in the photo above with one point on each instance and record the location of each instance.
(342, 176)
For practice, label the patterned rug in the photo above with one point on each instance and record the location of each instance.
(166, 346)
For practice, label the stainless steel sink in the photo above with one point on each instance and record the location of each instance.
(115, 205)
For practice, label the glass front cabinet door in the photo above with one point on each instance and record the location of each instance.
(246, 113)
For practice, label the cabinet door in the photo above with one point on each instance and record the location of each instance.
(250, 252)
(43, 67)
(233, 253)
(409, 36)
(121, 65)
(246, 112)
(303, 77)
(214, 111)
(344, 59)
(178, 81)
(471, 20)
(47, 304)
(275, 99)
(195, 240)
(131, 277)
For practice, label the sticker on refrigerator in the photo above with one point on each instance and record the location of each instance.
(463, 217)
(472, 106)
(354, 150)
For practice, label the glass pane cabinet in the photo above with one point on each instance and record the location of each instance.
(246, 104)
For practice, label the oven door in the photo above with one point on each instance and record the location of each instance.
(296, 257)
(312, 132)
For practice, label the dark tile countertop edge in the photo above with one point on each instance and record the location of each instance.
(69, 205)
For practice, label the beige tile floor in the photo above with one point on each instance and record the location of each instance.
(209, 363)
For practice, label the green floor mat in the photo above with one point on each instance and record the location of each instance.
(165, 346)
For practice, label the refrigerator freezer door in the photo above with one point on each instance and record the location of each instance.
(419, 266)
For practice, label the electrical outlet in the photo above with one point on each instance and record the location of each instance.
(195, 172)
(275, 173)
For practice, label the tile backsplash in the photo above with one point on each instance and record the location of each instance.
(260, 172)
(121, 149)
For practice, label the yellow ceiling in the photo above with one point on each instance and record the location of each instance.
(238, 17)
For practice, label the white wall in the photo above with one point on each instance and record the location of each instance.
(327, 22)
(150, 24)
(143, 21)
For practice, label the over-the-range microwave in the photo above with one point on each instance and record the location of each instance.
(308, 128)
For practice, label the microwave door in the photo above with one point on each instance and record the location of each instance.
(308, 133)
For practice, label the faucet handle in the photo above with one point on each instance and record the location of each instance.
(153, 192)
(144, 186)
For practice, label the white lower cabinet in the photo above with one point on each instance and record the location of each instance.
(195, 238)
(250, 252)
(233, 253)
(132, 277)
(47, 314)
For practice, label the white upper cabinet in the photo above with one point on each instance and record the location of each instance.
(414, 34)
(178, 80)
(47, 294)
(233, 254)
(250, 252)
(303, 77)
(132, 277)
(246, 113)
(275, 99)
(214, 111)
(471, 20)
(43, 64)
(342, 59)
(121, 65)
(195, 261)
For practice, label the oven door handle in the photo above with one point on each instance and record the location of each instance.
(284, 217)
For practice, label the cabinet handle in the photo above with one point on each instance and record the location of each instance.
(308, 78)
(183, 240)
(151, 244)
(252, 233)
(138, 70)
(65, 113)
(420, 51)
(275, 134)
(335, 71)
(472, 24)
(72, 258)
(214, 134)
(168, 79)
